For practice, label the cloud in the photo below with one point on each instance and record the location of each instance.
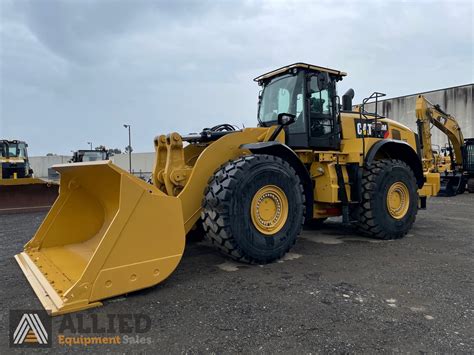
(75, 71)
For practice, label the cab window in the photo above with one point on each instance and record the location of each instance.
(283, 95)
(21, 150)
(321, 109)
(16, 150)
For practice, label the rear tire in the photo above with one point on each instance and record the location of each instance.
(470, 185)
(389, 200)
(462, 186)
(236, 216)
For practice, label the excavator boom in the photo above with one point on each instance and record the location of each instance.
(427, 114)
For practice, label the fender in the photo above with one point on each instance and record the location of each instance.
(401, 150)
(287, 154)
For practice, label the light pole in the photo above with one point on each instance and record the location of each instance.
(90, 143)
(129, 148)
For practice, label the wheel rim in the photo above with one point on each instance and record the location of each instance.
(269, 209)
(398, 200)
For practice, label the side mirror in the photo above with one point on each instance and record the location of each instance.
(285, 119)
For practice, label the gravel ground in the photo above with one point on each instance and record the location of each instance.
(334, 292)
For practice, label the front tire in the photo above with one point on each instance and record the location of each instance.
(253, 208)
(389, 200)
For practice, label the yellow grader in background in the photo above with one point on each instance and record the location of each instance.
(19, 190)
(456, 168)
(250, 190)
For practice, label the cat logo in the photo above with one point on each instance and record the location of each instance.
(371, 128)
(29, 329)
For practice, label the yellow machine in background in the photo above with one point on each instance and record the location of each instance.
(84, 155)
(14, 162)
(456, 168)
(249, 189)
(20, 191)
(442, 158)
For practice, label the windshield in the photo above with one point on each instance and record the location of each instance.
(93, 156)
(282, 94)
(13, 150)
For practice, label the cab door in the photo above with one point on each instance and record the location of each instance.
(324, 132)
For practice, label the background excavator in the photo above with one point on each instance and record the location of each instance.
(250, 190)
(20, 191)
(457, 169)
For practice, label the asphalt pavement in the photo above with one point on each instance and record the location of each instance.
(334, 292)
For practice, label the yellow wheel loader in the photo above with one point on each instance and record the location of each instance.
(250, 190)
(20, 191)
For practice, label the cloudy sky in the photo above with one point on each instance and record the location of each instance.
(76, 71)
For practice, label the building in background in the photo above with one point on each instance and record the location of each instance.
(458, 101)
(41, 165)
(142, 163)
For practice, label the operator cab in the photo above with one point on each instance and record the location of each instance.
(14, 159)
(13, 149)
(89, 155)
(309, 93)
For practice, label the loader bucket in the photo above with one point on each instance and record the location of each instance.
(108, 233)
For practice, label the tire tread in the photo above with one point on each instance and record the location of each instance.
(217, 199)
(367, 223)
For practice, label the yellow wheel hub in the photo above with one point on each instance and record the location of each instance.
(269, 209)
(398, 200)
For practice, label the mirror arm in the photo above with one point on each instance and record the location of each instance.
(275, 133)
(282, 124)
